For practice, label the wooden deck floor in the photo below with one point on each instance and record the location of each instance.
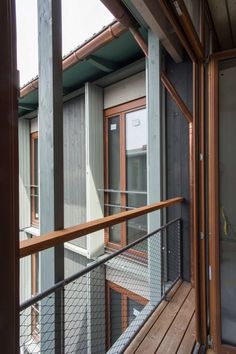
(170, 329)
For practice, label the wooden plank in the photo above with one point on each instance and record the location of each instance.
(169, 13)
(194, 202)
(202, 212)
(52, 239)
(151, 321)
(153, 15)
(125, 107)
(189, 28)
(188, 341)
(94, 164)
(176, 97)
(175, 334)
(162, 325)
(154, 165)
(9, 186)
(51, 190)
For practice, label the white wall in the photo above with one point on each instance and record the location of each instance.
(125, 90)
(34, 125)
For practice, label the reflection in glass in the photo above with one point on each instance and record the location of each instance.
(227, 215)
(36, 198)
(134, 308)
(136, 170)
(114, 173)
(115, 316)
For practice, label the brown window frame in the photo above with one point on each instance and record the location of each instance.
(120, 110)
(125, 295)
(215, 310)
(34, 219)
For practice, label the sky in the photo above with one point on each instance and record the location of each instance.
(80, 20)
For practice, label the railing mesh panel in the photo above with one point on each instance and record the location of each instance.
(101, 310)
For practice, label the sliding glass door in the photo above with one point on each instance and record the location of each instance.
(222, 206)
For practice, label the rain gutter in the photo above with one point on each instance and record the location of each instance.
(115, 30)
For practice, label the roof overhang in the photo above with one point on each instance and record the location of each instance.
(108, 51)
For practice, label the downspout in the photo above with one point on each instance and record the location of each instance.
(118, 9)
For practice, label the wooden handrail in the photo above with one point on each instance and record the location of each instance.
(55, 238)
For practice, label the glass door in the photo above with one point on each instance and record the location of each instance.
(126, 169)
(222, 202)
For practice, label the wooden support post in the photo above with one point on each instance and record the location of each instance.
(154, 164)
(9, 269)
(51, 157)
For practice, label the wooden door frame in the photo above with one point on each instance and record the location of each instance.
(119, 110)
(125, 295)
(34, 221)
(213, 182)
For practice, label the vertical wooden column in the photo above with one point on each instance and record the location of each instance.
(51, 153)
(154, 163)
(94, 165)
(202, 206)
(9, 185)
(194, 165)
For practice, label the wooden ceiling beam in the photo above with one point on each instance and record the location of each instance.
(154, 17)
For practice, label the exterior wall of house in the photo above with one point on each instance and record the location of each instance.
(74, 262)
(94, 165)
(125, 90)
(177, 153)
(84, 305)
(74, 165)
(24, 221)
(24, 200)
(74, 178)
(83, 175)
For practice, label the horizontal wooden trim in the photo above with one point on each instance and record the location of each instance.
(227, 54)
(128, 106)
(176, 97)
(52, 239)
(124, 291)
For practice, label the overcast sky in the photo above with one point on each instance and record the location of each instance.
(80, 20)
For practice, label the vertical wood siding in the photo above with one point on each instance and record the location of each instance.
(74, 165)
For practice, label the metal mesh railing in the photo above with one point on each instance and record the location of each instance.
(102, 307)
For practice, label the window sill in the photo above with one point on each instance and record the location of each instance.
(32, 231)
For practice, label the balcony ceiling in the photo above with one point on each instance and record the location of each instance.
(224, 17)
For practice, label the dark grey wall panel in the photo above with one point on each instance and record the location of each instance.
(74, 165)
(177, 152)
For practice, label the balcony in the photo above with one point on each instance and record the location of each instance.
(131, 300)
(171, 328)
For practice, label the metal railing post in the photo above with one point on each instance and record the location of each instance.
(179, 230)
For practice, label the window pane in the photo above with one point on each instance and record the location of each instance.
(136, 170)
(115, 316)
(134, 308)
(227, 202)
(115, 230)
(114, 173)
(36, 191)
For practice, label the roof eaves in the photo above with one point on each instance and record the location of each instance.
(98, 40)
